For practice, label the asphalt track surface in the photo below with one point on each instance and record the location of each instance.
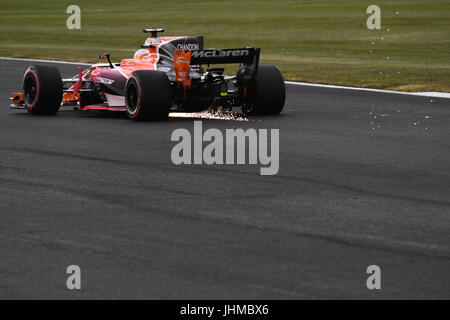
(364, 180)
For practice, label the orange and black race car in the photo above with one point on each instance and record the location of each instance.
(165, 75)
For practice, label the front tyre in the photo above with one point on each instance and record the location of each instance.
(148, 95)
(268, 93)
(42, 89)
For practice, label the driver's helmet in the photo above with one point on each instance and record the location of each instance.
(142, 54)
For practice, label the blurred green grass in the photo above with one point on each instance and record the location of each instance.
(321, 41)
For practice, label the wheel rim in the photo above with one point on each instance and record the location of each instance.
(132, 98)
(30, 90)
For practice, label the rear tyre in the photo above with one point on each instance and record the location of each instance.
(268, 93)
(42, 90)
(147, 95)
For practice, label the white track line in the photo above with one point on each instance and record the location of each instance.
(50, 61)
(329, 86)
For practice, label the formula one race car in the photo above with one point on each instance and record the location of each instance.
(166, 74)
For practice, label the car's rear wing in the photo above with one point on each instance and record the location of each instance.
(248, 56)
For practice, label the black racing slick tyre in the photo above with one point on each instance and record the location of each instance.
(268, 92)
(42, 90)
(148, 95)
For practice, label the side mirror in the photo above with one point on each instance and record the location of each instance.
(106, 56)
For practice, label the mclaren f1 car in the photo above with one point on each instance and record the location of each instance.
(167, 74)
